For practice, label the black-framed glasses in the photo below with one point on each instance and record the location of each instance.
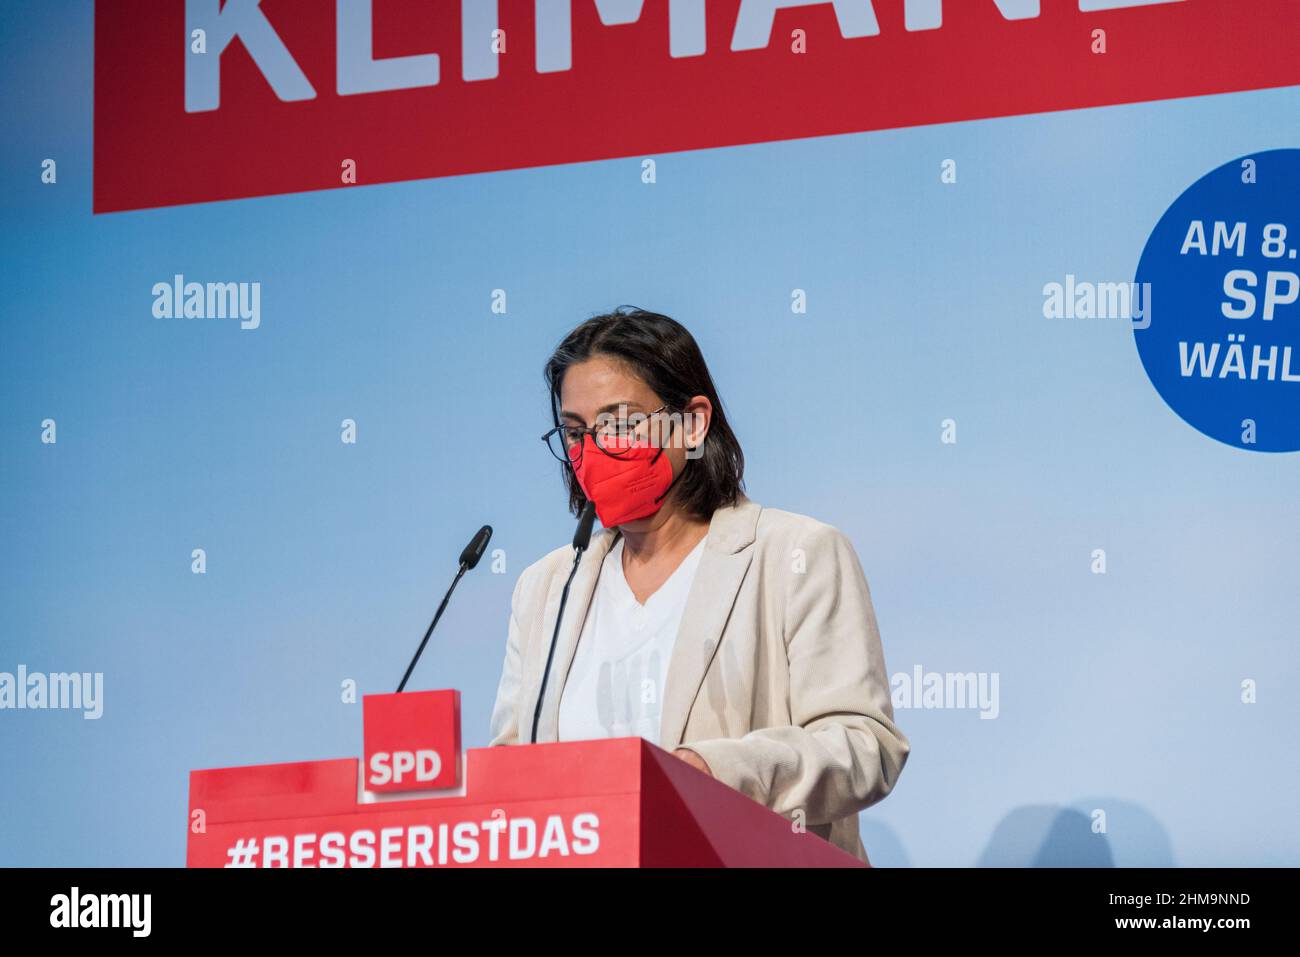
(615, 438)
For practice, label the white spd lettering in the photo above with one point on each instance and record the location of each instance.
(397, 766)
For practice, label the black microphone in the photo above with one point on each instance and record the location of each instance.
(475, 549)
(581, 539)
(468, 559)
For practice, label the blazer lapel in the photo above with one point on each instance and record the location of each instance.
(713, 592)
(717, 580)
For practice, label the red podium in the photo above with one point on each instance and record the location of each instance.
(619, 802)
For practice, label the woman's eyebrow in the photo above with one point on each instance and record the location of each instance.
(611, 407)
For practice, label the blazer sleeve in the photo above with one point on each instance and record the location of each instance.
(504, 725)
(842, 751)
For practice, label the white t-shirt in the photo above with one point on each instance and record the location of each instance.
(616, 685)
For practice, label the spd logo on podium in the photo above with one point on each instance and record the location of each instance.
(412, 741)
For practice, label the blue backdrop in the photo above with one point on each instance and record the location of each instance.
(1120, 734)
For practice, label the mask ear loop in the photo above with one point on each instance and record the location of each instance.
(689, 448)
(662, 449)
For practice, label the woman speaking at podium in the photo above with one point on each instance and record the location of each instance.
(740, 638)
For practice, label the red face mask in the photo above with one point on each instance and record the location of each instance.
(624, 488)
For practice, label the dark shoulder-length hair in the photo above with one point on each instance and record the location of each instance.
(666, 357)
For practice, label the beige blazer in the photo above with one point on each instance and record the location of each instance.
(777, 678)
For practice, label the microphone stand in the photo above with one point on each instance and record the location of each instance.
(441, 608)
(581, 539)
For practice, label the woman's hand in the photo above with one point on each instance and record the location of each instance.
(693, 759)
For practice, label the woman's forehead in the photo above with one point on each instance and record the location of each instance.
(599, 385)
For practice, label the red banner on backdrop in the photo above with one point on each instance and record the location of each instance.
(199, 100)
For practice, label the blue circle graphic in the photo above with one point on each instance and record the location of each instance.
(1218, 329)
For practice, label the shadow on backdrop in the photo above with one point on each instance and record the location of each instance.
(1044, 835)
